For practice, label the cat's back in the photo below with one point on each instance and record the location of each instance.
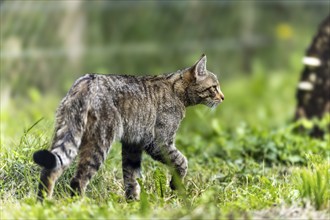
(125, 90)
(146, 89)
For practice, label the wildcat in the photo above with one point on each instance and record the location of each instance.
(142, 112)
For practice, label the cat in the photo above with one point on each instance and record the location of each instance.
(142, 112)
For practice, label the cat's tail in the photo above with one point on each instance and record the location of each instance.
(65, 144)
(45, 159)
(71, 119)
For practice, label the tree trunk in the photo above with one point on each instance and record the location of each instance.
(313, 93)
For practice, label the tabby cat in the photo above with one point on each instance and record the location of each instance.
(143, 112)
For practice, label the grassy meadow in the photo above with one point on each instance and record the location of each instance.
(245, 161)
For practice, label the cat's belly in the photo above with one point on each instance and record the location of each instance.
(138, 133)
(138, 128)
(143, 130)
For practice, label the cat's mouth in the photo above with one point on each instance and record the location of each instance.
(214, 103)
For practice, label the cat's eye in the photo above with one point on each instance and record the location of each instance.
(214, 88)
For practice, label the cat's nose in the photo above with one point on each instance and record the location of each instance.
(222, 96)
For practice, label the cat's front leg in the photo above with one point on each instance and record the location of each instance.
(131, 164)
(180, 165)
(171, 156)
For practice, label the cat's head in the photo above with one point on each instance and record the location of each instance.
(203, 86)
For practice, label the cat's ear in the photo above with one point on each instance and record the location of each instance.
(199, 69)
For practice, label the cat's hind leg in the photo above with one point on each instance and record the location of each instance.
(48, 179)
(95, 146)
(91, 157)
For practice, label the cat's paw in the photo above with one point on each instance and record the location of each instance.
(133, 193)
(176, 184)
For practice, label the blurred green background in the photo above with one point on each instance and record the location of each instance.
(255, 48)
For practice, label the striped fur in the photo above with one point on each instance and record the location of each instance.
(143, 112)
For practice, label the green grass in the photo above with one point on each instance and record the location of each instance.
(313, 182)
(243, 157)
